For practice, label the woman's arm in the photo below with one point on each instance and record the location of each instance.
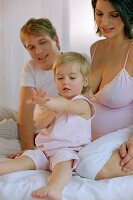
(126, 149)
(96, 76)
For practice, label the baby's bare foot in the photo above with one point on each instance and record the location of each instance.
(47, 192)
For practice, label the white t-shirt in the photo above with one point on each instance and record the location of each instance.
(33, 76)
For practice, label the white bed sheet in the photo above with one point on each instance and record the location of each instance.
(19, 185)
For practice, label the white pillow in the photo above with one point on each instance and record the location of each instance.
(9, 129)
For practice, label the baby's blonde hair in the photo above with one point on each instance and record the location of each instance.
(71, 58)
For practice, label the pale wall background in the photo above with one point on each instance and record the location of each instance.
(75, 26)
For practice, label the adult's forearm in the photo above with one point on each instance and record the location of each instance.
(26, 137)
(44, 120)
(26, 128)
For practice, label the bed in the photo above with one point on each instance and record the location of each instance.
(19, 185)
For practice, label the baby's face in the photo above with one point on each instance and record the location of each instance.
(69, 81)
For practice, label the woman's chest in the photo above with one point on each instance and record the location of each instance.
(109, 65)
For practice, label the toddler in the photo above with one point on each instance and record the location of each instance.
(64, 134)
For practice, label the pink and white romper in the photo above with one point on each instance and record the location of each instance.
(67, 135)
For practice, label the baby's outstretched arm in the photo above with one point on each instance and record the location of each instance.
(60, 104)
(45, 117)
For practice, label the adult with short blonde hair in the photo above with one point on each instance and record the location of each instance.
(40, 39)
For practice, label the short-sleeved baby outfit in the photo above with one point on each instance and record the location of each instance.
(66, 136)
(114, 103)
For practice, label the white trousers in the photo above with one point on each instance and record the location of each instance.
(95, 155)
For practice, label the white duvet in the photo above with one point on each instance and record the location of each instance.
(19, 185)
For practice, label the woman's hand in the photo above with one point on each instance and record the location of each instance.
(126, 153)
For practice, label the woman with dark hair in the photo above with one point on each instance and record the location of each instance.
(112, 63)
(112, 93)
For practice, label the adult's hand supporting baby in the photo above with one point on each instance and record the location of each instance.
(126, 153)
(12, 156)
(16, 155)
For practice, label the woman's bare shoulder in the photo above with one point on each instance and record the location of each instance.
(131, 52)
(93, 46)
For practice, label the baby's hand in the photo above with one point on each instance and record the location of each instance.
(38, 97)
